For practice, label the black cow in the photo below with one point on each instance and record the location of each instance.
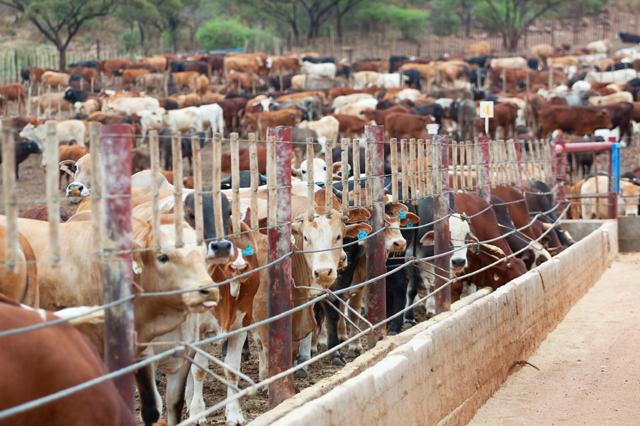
(479, 61)
(85, 64)
(477, 76)
(219, 250)
(24, 148)
(533, 63)
(517, 240)
(435, 110)
(413, 79)
(185, 144)
(75, 95)
(629, 38)
(540, 200)
(245, 180)
(396, 61)
(274, 82)
(619, 66)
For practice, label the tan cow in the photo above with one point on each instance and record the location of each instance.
(597, 208)
(158, 63)
(55, 79)
(480, 48)
(21, 283)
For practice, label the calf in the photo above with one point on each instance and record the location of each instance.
(403, 125)
(23, 149)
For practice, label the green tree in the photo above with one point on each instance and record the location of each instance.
(138, 14)
(223, 33)
(512, 18)
(59, 21)
(448, 15)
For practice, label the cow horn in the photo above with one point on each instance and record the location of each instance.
(546, 226)
(495, 249)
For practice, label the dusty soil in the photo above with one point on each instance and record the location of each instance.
(588, 368)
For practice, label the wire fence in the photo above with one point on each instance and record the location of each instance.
(273, 251)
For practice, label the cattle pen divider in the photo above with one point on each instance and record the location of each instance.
(433, 167)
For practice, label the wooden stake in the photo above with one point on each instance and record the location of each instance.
(154, 155)
(53, 190)
(253, 167)
(235, 182)
(197, 186)
(10, 203)
(176, 152)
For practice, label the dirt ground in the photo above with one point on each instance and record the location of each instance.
(588, 368)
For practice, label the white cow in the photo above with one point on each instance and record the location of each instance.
(611, 99)
(628, 198)
(327, 69)
(151, 120)
(356, 108)
(363, 79)
(66, 131)
(515, 62)
(184, 120)
(327, 129)
(213, 116)
(341, 101)
(618, 76)
(130, 105)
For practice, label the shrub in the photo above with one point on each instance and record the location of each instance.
(225, 34)
(410, 22)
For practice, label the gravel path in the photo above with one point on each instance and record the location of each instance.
(589, 372)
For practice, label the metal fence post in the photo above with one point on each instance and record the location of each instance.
(484, 184)
(614, 178)
(441, 228)
(376, 256)
(279, 234)
(115, 150)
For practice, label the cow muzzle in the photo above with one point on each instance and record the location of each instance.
(458, 264)
(200, 300)
(219, 251)
(76, 190)
(324, 276)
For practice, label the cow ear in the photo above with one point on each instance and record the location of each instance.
(262, 225)
(427, 239)
(358, 214)
(394, 208)
(354, 230)
(296, 172)
(246, 217)
(411, 218)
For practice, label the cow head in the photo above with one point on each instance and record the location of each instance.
(321, 238)
(397, 215)
(80, 172)
(629, 198)
(171, 268)
(460, 236)
(219, 250)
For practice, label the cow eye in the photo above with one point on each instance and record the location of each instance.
(324, 168)
(163, 258)
(338, 237)
(306, 240)
(304, 172)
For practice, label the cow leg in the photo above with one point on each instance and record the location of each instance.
(356, 305)
(176, 383)
(233, 411)
(304, 354)
(262, 356)
(332, 332)
(428, 279)
(150, 399)
(395, 297)
(195, 382)
(412, 292)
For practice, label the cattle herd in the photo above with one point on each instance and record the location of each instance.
(201, 255)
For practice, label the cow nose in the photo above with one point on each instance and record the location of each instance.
(323, 273)
(204, 292)
(399, 245)
(458, 262)
(220, 248)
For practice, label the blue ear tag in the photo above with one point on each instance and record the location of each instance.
(409, 225)
(248, 250)
(402, 215)
(362, 234)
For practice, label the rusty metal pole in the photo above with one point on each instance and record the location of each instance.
(279, 234)
(484, 186)
(441, 228)
(376, 255)
(117, 239)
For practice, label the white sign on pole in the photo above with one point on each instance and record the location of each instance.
(486, 112)
(432, 129)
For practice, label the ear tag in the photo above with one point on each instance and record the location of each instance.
(248, 250)
(362, 234)
(478, 249)
(402, 215)
(409, 225)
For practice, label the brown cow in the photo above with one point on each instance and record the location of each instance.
(185, 79)
(379, 115)
(69, 154)
(404, 125)
(39, 212)
(284, 65)
(343, 91)
(12, 92)
(87, 73)
(158, 63)
(244, 160)
(283, 117)
(504, 117)
(579, 120)
(71, 360)
(130, 76)
(112, 66)
(377, 65)
(350, 125)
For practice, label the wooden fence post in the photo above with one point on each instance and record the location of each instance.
(441, 228)
(484, 183)
(376, 256)
(52, 190)
(279, 234)
(115, 150)
(9, 195)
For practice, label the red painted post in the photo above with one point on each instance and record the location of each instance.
(441, 228)
(560, 162)
(484, 186)
(117, 242)
(280, 354)
(376, 255)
